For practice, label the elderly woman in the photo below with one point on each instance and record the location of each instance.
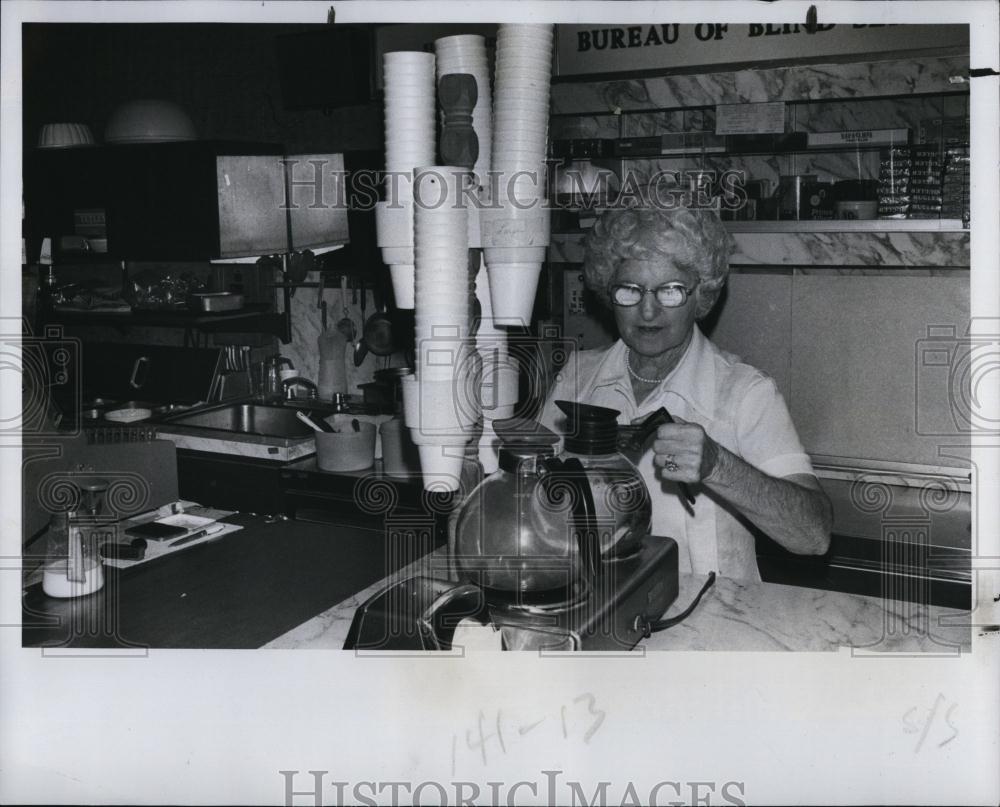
(733, 441)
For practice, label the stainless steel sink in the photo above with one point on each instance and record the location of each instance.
(248, 428)
(248, 418)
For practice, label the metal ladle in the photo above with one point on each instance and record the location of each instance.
(346, 324)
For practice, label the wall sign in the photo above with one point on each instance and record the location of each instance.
(595, 49)
(732, 119)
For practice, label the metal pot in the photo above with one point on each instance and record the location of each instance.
(377, 335)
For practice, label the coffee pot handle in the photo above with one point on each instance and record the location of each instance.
(571, 472)
(635, 438)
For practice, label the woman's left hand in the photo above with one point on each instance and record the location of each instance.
(684, 452)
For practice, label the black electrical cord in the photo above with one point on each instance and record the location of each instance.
(663, 624)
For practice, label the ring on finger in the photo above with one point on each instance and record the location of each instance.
(669, 463)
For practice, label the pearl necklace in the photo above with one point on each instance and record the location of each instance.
(634, 374)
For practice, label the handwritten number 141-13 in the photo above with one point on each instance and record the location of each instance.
(491, 733)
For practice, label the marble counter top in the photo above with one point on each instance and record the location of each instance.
(734, 616)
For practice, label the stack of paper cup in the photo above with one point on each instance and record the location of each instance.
(438, 408)
(515, 229)
(409, 113)
(467, 54)
(521, 109)
(442, 284)
(499, 380)
(409, 142)
(434, 421)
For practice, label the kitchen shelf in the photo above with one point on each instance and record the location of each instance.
(806, 226)
(252, 318)
(616, 153)
(838, 226)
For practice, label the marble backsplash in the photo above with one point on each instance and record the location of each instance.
(820, 116)
(876, 251)
(823, 82)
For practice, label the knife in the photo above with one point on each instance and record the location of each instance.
(210, 530)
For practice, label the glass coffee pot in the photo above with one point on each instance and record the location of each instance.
(543, 524)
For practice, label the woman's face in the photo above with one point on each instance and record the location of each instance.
(649, 328)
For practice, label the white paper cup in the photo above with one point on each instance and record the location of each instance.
(456, 315)
(520, 109)
(439, 226)
(408, 60)
(412, 142)
(400, 89)
(443, 297)
(520, 157)
(524, 31)
(451, 277)
(514, 79)
(402, 160)
(524, 58)
(522, 77)
(408, 121)
(461, 41)
(439, 188)
(402, 284)
(451, 350)
(524, 187)
(515, 135)
(438, 408)
(437, 358)
(441, 470)
(522, 130)
(512, 288)
(450, 296)
(393, 225)
(443, 244)
(410, 105)
(400, 457)
(508, 227)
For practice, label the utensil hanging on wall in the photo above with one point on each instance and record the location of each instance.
(377, 335)
(360, 347)
(346, 324)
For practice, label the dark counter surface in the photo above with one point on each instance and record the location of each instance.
(240, 591)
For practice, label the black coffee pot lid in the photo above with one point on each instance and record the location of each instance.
(589, 429)
(520, 438)
(522, 432)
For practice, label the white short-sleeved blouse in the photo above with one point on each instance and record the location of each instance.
(739, 407)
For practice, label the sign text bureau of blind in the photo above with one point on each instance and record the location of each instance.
(591, 49)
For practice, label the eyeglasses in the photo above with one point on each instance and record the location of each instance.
(669, 295)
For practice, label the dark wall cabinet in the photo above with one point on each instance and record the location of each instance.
(190, 201)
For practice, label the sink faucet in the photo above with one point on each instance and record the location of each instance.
(298, 388)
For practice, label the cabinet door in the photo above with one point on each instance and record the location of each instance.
(251, 195)
(318, 200)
